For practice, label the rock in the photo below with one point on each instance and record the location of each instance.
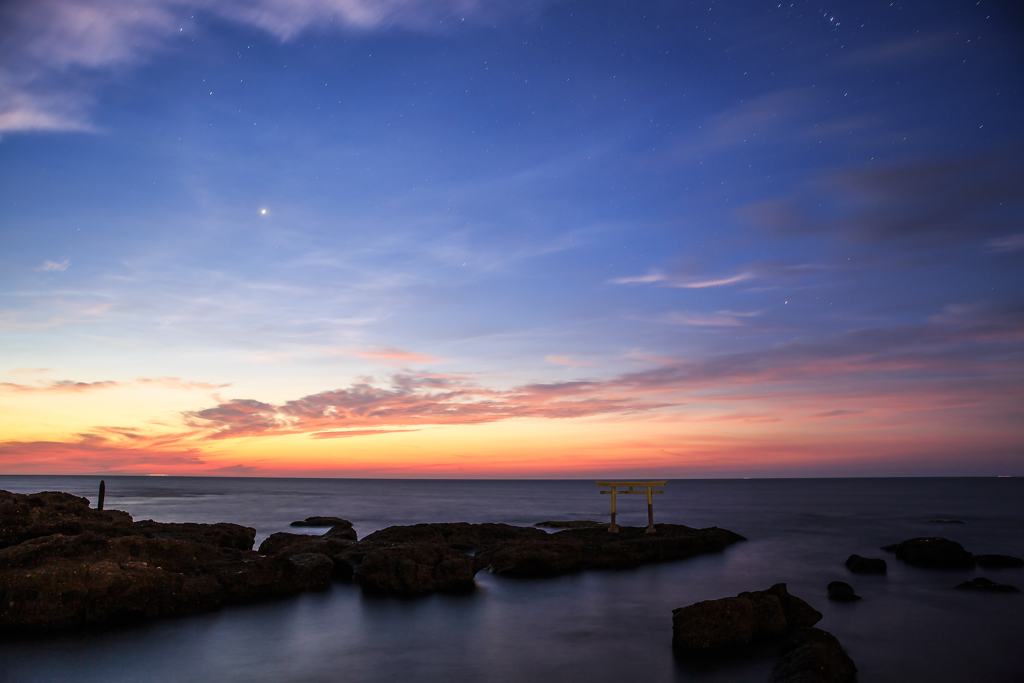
(865, 565)
(221, 534)
(571, 524)
(461, 535)
(811, 655)
(998, 561)
(714, 627)
(841, 591)
(332, 522)
(418, 569)
(331, 546)
(575, 550)
(986, 586)
(61, 582)
(27, 516)
(932, 552)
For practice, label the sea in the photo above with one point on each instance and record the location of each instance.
(594, 627)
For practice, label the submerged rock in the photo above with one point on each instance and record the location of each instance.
(811, 655)
(840, 591)
(865, 565)
(575, 550)
(932, 552)
(986, 586)
(715, 627)
(998, 561)
(571, 524)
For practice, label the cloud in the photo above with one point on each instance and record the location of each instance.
(61, 387)
(931, 203)
(48, 42)
(398, 357)
(639, 279)
(72, 387)
(680, 282)
(54, 265)
(29, 371)
(567, 361)
(720, 319)
(1006, 244)
(357, 432)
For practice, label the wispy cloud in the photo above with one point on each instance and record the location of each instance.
(567, 361)
(72, 387)
(680, 282)
(55, 265)
(29, 371)
(1008, 243)
(46, 40)
(720, 319)
(398, 357)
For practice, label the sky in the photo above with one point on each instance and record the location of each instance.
(484, 238)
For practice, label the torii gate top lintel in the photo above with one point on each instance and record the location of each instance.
(646, 485)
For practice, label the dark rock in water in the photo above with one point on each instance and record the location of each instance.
(62, 582)
(64, 566)
(715, 627)
(998, 561)
(332, 522)
(841, 591)
(945, 521)
(221, 534)
(932, 552)
(575, 550)
(813, 656)
(865, 565)
(986, 586)
(331, 545)
(461, 535)
(27, 516)
(571, 524)
(417, 569)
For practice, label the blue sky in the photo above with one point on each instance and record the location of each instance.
(820, 203)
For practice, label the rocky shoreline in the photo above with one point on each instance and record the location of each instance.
(66, 566)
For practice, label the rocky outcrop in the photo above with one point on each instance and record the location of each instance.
(575, 550)
(60, 581)
(220, 535)
(461, 535)
(811, 655)
(714, 627)
(27, 516)
(998, 561)
(840, 591)
(336, 524)
(414, 569)
(932, 552)
(865, 565)
(571, 524)
(64, 565)
(986, 586)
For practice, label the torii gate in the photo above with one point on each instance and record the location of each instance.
(648, 485)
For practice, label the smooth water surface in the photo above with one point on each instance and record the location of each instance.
(595, 626)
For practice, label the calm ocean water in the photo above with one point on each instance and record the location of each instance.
(594, 627)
